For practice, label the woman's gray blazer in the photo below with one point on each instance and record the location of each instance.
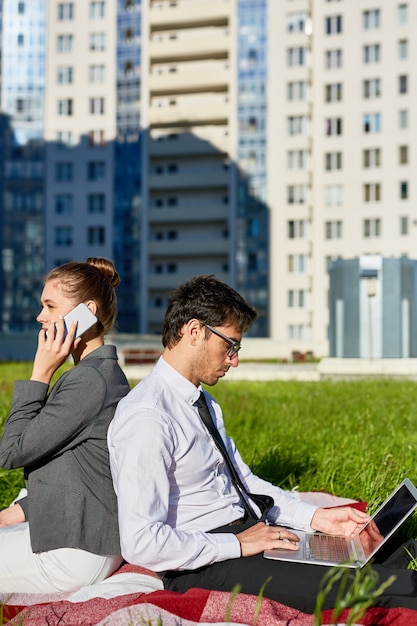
(61, 441)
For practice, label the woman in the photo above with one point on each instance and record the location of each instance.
(64, 534)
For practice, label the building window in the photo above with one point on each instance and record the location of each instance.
(96, 203)
(296, 22)
(252, 126)
(333, 92)
(402, 13)
(64, 138)
(297, 194)
(129, 68)
(65, 11)
(371, 19)
(372, 192)
(403, 190)
(298, 331)
(333, 161)
(96, 106)
(96, 73)
(65, 75)
(297, 159)
(63, 236)
(333, 195)
(372, 228)
(96, 236)
(372, 158)
(333, 59)
(297, 125)
(333, 126)
(64, 171)
(297, 90)
(372, 123)
(296, 56)
(404, 225)
(372, 88)
(65, 106)
(97, 9)
(21, 8)
(296, 229)
(333, 25)
(97, 41)
(403, 119)
(65, 43)
(403, 49)
(96, 138)
(296, 298)
(297, 264)
(129, 36)
(63, 203)
(96, 170)
(402, 84)
(403, 155)
(333, 229)
(372, 53)
(20, 39)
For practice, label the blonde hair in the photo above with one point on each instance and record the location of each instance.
(95, 279)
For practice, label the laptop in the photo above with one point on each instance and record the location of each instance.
(321, 549)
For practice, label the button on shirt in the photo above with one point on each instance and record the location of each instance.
(171, 482)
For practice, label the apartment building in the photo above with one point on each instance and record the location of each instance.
(341, 140)
(189, 147)
(92, 139)
(22, 162)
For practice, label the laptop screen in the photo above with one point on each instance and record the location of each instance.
(387, 519)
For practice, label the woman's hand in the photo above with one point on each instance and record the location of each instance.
(53, 350)
(12, 515)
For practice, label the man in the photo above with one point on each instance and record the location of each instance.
(180, 514)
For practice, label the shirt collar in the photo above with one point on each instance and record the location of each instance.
(183, 386)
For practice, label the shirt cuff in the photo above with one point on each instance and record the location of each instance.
(229, 546)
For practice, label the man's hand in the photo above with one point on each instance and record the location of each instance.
(12, 515)
(262, 537)
(339, 521)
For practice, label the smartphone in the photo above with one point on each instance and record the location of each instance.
(85, 318)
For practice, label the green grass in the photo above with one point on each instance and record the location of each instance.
(356, 439)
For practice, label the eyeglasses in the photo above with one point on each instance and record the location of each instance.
(234, 345)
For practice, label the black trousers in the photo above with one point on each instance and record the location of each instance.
(295, 584)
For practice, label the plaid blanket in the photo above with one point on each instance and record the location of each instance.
(134, 596)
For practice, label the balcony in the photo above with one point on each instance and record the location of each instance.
(184, 13)
(182, 248)
(185, 143)
(216, 111)
(190, 180)
(202, 213)
(194, 77)
(212, 43)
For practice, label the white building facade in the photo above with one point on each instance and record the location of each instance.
(341, 143)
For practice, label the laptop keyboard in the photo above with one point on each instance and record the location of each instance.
(326, 548)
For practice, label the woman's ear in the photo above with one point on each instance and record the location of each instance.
(91, 304)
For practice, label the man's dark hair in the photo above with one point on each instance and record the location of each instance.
(209, 300)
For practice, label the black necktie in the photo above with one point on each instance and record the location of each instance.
(263, 502)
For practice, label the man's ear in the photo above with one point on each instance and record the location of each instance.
(193, 330)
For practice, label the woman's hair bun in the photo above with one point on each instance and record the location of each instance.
(107, 268)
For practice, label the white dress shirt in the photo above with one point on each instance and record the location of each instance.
(170, 479)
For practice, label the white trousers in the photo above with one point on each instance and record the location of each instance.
(65, 569)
